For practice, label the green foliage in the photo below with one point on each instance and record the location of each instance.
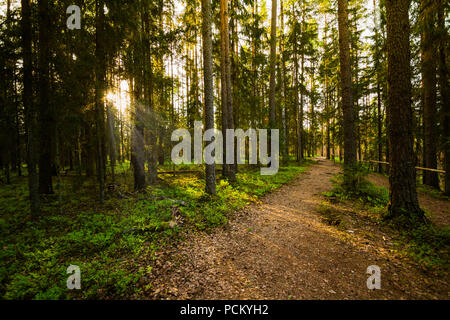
(366, 192)
(330, 216)
(106, 241)
(428, 244)
(425, 243)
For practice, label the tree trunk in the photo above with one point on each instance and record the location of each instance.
(100, 78)
(428, 51)
(378, 89)
(379, 131)
(283, 87)
(313, 119)
(46, 117)
(254, 97)
(112, 142)
(30, 112)
(298, 103)
(137, 138)
(210, 171)
(444, 92)
(273, 57)
(227, 103)
(403, 202)
(326, 97)
(347, 98)
(147, 82)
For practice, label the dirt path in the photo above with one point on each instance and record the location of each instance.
(281, 249)
(439, 209)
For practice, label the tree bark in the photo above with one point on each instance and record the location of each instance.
(100, 78)
(347, 98)
(283, 87)
(137, 138)
(428, 51)
(227, 101)
(46, 117)
(298, 103)
(210, 171)
(444, 92)
(273, 57)
(326, 94)
(30, 112)
(403, 202)
(146, 55)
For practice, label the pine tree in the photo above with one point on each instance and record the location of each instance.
(403, 202)
(210, 172)
(30, 110)
(428, 48)
(347, 97)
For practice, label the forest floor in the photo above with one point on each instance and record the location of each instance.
(288, 245)
(438, 208)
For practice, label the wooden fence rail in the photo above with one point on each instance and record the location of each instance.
(418, 168)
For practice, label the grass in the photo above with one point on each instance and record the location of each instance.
(101, 239)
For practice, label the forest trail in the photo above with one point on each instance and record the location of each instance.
(280, 248)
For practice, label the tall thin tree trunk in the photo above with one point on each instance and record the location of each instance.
(46, 117)
(112, 142)
(30, 110)
(254, 98)
(313, 119)
(326, 94)
(347, 97)
(210, 171)
(273, 58)
(17, 127)
(298, 109)
(227, 103)
(283, 86)
(379, 126)
(444, 92)
(147, 82)
(428, 50)
(137, 137)
(100, 78)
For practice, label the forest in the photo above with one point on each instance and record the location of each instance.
(354, 95)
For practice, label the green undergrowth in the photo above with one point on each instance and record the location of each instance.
(112, 242)
(432, 192)
(426, 243)
(365, 192)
